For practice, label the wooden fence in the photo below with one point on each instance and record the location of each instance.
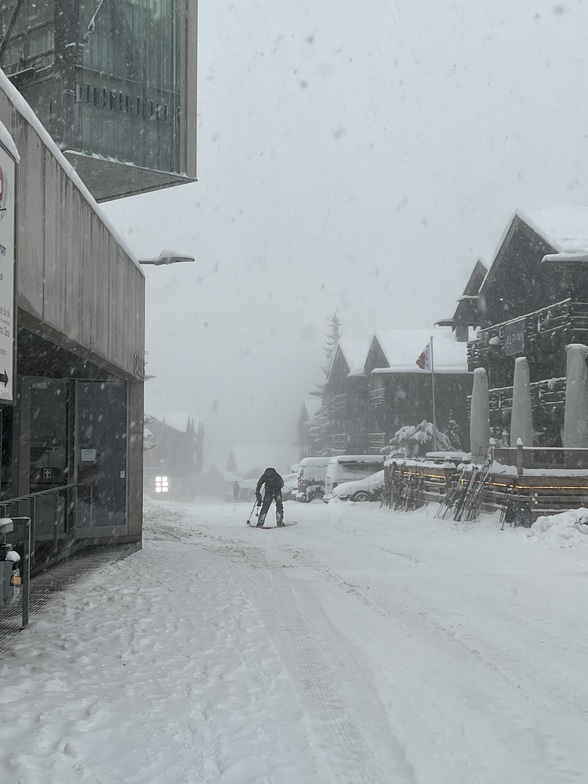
(520, 493)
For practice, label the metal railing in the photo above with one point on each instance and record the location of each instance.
(23, 530)
(62, 516)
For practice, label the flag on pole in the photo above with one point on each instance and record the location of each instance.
(424, 360)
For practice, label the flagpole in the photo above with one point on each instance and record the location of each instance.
(433, 394)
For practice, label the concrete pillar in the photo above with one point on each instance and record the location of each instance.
(521, 421)
(480, 417)
(576, 411)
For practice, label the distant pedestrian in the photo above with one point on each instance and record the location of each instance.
(236, 490)
(273, 483)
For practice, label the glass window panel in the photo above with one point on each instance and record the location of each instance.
(137, 48)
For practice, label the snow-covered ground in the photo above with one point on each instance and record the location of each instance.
(358, 646)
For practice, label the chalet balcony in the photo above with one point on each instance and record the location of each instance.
(347, 444)
(376, 442)
(550, 394)
(377, 397)
(337, 406)
(562, 323)
(337, 444)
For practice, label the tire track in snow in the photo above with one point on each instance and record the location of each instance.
(517, 674)
(352, 728)
(497, 723)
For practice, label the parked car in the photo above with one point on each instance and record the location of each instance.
(348, 468)
(311, 478)
(367, 489)
(290, 485)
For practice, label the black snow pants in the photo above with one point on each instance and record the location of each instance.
(267, 502)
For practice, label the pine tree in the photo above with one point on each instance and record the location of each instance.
(333, 337)
(320, 427)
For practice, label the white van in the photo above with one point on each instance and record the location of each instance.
(311, 478)
(347, 468)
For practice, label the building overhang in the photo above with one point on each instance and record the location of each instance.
(580, 256)
(108, 179)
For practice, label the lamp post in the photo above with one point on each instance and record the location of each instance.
(166, 257)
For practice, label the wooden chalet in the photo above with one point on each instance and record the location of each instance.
(532, 302)
(173, 449)
(466, 312)
(345, 399)
(401, 393)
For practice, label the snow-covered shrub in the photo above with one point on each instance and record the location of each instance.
(417, 440)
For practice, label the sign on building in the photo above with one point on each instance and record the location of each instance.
(514, 337)
(7, 269)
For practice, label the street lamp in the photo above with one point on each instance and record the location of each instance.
(166, 257)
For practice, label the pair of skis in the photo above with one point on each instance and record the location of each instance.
(264, 527)
(469, 501)
(452, 494)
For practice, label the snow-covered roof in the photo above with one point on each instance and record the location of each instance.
(564, 228)
(355, 351)
(402, 348)
(177, 421)
(249, 459)
(23, 108)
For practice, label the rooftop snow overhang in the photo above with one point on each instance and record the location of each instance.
(564, 258)
(404, 369)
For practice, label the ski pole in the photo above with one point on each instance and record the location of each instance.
(251, 512)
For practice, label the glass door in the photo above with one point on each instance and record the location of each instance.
(101, 453)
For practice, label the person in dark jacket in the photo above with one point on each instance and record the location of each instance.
(273, 492)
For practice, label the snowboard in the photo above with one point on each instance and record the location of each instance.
(268, 527)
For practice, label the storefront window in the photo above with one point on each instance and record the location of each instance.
(101, 453)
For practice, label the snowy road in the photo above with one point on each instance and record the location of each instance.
(358, 646)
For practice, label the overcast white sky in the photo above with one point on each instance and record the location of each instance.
(351, 157)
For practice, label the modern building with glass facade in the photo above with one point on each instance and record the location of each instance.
(72, 435)
(108, 86)
(114, 83)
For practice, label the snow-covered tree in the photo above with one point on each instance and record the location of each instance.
(319, 428)
(417, 440)
(333, 336)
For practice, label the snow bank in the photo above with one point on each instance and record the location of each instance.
(565, 529)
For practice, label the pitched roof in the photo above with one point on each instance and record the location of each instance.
(354, 352)
(402, 348)
(564, 228)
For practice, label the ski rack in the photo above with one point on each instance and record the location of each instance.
(469, 502)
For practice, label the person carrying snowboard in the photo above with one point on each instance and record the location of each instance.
(273, 492)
